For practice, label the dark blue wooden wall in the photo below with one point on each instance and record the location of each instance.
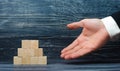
(46, 21)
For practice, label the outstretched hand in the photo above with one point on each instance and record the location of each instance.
(93, 36)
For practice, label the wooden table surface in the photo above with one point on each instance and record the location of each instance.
(63, 67)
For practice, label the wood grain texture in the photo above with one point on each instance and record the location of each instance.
(41, 60)
(32, 44)
(26, 60)
(30, 52)
(26, 52)
(17, 60)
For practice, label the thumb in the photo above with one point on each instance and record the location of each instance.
(75, 25)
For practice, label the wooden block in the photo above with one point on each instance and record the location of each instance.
(26, 60)
(21, 60)
(30, 52)
(39, 52)
(26, 52)
(42, 60)
(17, 60)
(30, 44)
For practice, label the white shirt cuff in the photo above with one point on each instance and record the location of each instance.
(111, 26)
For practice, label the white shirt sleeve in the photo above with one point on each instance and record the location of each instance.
(111, 26)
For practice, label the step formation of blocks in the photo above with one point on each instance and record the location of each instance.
(30, 53)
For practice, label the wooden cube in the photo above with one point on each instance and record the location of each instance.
(42, 60)
(26, 52)
(21, 60)
(39, 52)
(30, 44)
(30, 52)
(17, 60)
(26, 60)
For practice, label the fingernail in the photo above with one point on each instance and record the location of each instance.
(62, 51)
(62, 55)
(67, 57)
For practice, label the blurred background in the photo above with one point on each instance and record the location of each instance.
(46, 20)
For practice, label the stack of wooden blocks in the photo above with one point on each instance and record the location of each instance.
(30, 53)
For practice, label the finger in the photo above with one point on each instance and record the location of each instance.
(81, 52)
(74, 49)
(67, 57)
(75, 25)
(71, 46)
(70, 51)
(67, 54)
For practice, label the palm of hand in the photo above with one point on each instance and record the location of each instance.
(93, 36)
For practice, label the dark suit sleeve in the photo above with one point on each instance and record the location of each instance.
(116, 17)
